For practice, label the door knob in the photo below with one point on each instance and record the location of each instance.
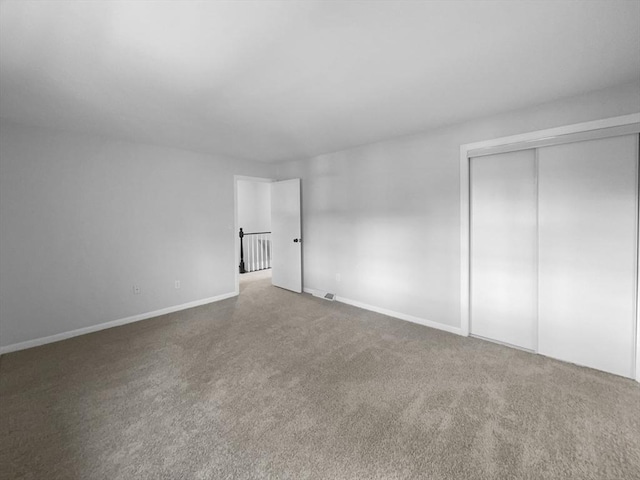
(296, 240)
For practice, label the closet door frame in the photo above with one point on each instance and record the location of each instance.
(626, 124)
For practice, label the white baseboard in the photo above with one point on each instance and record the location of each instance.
(314, 292)
(114, 323)
(390, 313)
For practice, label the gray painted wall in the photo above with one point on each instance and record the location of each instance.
(83, 218)
(254, 206)
(386, 216)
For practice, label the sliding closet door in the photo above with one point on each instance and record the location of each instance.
(587, 252)
(503, 248)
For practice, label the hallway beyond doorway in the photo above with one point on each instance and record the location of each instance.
(246, 279)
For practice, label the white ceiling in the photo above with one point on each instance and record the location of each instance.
(277, 80)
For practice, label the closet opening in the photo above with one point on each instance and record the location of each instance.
(550, 243)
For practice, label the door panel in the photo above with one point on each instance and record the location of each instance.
(503, 248)
(587, 252)
(286, 254)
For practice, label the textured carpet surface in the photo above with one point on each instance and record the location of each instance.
(277, 385)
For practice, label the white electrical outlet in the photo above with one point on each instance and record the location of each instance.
(177, 283)
(137, 290)
(338, 277)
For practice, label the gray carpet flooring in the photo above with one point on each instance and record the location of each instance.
(277, 385)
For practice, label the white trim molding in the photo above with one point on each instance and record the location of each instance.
(114, 323)
(516, 142)
(554, 132)
(389, 313)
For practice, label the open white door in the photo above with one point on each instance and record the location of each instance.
(286, 241)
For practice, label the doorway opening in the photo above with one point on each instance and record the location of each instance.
(253, 232)
(268, 227)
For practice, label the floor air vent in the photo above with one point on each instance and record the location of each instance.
(330, 296)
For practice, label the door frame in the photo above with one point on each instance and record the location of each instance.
(519, 142)
(236, 226)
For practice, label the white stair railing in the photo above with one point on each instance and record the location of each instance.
(255, 251)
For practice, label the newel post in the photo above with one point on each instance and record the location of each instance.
(242, 270)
